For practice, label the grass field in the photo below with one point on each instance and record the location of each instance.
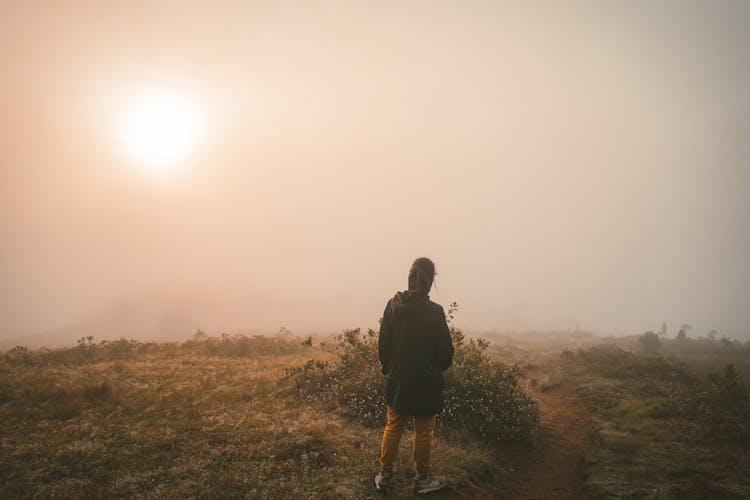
(662, 430)
(222, 417)
(181, 424)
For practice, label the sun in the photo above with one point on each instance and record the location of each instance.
(160, 129)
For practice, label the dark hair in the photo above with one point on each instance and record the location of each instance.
(421, 275)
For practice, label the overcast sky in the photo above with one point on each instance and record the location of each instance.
(565, 164)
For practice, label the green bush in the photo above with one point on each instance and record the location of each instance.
(482, 396)
(353, 386)
(485, 396)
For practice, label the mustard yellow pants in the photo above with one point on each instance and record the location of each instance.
(424, 427)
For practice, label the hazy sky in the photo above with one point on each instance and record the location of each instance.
(563, 163)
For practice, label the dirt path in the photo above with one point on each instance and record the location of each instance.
(555, 469)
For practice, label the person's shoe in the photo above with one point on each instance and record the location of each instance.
(383, 482)
(427, 483)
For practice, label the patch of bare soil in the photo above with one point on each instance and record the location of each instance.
(555, 468)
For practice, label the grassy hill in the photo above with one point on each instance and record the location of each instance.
(206, 418)
(254, 417)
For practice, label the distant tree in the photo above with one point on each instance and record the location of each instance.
(649, 342)
(663, 331)
(712, 334)
(682, 334)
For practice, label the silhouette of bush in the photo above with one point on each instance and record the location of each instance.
(649, 342)
(482, 396)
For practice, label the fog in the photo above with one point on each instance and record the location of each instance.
(566, 165)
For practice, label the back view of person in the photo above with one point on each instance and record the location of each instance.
(415, 348)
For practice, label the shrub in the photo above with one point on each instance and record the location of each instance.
(649, 342)
(353, 386)
(482, 396)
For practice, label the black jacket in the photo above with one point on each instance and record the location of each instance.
(415, 347)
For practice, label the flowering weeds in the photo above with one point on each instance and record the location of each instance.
(482, 396)
(485, 396)
(353, 386)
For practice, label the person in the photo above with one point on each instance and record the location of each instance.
(415, 348)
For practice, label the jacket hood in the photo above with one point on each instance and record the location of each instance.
(406, 302)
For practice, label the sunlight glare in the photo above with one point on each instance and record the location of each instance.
(160, 129)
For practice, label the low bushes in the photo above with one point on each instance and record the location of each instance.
(716, 407)
(485, 396)
(482, 396)
(87, 351)
(662, 429)
(352, 386)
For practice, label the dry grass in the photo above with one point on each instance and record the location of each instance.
(190, 426)
(220, 418)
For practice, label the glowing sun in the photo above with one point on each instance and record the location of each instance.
(160, 129)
